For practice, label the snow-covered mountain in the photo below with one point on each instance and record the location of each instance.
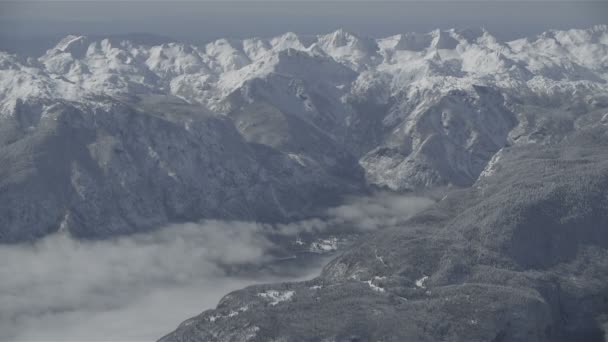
(313, 116)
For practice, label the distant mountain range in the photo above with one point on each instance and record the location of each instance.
(114, 136)
(100, 137)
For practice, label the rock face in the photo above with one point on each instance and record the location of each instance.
(121, 169)
(522, 255)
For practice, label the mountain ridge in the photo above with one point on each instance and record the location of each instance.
(407, 112)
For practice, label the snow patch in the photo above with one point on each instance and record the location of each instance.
(374, 286)
(276, 297)
(297, 158)
(324, 245)
(232, 313)
(420, 282)
(492, 165)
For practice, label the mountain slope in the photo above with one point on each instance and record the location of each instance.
(340, 81)
(520, 256)
(97, 172)
(315, 116)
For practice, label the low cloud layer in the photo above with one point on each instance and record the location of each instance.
(362, 214)
(137, 288)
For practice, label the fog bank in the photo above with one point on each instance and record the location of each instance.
(140, 287)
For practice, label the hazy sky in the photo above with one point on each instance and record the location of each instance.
(24, 22)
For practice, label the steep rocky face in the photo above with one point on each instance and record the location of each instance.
(520, 256)
(120, 169)
(447, 139)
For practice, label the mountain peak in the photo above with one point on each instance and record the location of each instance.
(340, 38)
(443, 40)
(472, 34)
(412, 41)
(287, 41)
(74, 45)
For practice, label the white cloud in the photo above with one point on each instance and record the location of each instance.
(132, 288)
(361, 214)
(140, 287)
